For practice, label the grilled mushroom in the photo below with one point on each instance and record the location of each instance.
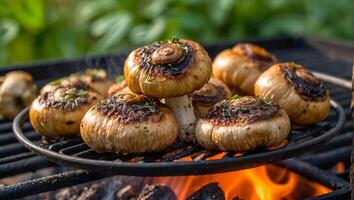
(211, 93)
(73, 80)
(171, 70)
(129, 123)
(240, 66)
(16, 92)
(97, 79)
(59, 112)
(296, 90)
(243, 124)
(120, 87)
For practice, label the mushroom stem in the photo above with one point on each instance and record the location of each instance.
(183, 108)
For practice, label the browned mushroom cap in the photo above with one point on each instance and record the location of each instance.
(73, 80)
(240, 66)
(168, 68)
(120, 87)
(17, 91)
(59, 112)
(97, 79)
(129, 123)
(295, 89)
(211, 93)
(242, 124)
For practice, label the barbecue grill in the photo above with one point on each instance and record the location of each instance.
(16, 159)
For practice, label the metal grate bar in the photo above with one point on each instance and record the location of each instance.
(8, 138)
(25, 165)
(17, 157)
(328, 158)
(205, 155)
(48, 183)
(184, 152)
(74, 149)
(64, 143)
(12, 149)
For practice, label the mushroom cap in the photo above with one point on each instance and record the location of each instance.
(71, 81)
(59, 112)
(16, 92)
(242, 125)
(98, 79)
(119, 88)
(296, 90)
(211, 93)
(240, 66)
(168, 68)
(129, 123)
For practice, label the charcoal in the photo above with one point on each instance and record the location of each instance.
(93, 191)
(211, 191)
(157, 192)
(68, 193)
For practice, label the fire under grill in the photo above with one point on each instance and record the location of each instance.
(16, 159)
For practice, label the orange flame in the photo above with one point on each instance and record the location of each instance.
(261, 183)
(340, 167)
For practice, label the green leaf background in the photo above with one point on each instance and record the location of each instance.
(42, 29)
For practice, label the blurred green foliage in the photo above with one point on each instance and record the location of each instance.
(41, 29)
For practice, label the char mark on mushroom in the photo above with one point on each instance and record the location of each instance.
(65, 98)
(304, 82)
(127, 110)
(167, 58)
(242, 111)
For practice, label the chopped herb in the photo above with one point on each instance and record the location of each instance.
(148, 79)
(236, 96)
(226, 112)
(174, 40)
(104, 102)
(146, 105)
(119, 78)
(81, 93)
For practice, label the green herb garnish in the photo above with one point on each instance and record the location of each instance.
(81, 93)
(236, 96)
(174, 40)
(119, 78)
(146, 105)
(226, 112)
(104, 102)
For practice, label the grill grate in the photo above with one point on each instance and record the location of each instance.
(178, 158)
(288, 49)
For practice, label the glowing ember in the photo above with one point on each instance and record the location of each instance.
(261, 183)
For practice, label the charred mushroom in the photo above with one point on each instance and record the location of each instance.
(240, 66)
(243, 124)
(120, 87)
(97, 79)
(296, 90)
(129, 123)
(16, 92)
(211, 93)
(59, 112)
(170, 70)
(72, 81)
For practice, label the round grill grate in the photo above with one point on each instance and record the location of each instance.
(178, 159)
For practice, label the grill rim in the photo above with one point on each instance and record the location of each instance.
(180, 168)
